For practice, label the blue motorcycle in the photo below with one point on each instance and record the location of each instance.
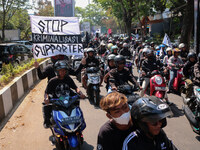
(67, 123)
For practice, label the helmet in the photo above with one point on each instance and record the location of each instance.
(151, 109)
(119, 58)
(113, 47)
(191, 55)
(181, 45)
(125, 45)
(111, 57)
(176, 50)
(157, 47)
(147, 51)
(110, 45)
(151, 43)
(85, 50)
(162, 45)
(61, 64)
(109, 41)
(168, 49)
(90, 50)
(54, 59)
(103, 44)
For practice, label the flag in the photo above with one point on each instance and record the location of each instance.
(167, 41)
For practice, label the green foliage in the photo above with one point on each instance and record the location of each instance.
(45, 8)
(93, 13)
(9, 71)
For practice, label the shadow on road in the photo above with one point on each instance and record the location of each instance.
(198, 138)
(87, 146)
(176, 111)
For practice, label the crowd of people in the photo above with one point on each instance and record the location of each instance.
(138, 126)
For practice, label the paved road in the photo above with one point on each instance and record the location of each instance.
(24, 131)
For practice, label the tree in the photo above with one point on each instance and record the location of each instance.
(9, 8)
(45, 8)
(121, 9)
(21, 20)
(92, 13)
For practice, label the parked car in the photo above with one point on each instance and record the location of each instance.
(14, 53)
(28, 44)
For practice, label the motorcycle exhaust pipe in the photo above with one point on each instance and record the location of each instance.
(190, 116)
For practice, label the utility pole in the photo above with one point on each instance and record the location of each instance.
(196, 26)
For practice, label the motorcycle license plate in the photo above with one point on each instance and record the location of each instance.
(160, 88)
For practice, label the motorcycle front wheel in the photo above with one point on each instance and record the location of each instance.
(96, 98)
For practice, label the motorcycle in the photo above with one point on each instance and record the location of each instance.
(76, 61)
(93, 89)
(67, 123)
(191, 109)
(157, 84)
(128, 90)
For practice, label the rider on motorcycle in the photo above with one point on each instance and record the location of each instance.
(169, 54)
(174, 64)
(188, 72)
(111, 65)
(184, 52)
(148, 65)
(150, 115)
(90, 61)
(114, 50)
(120, 75)
(125, 51)
(59, 86)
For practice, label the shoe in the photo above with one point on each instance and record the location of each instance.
(169, 103)
(169, 91)
(47, 124)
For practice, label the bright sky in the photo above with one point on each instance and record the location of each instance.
(79, 3)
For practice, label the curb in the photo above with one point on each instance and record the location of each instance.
(11, 94)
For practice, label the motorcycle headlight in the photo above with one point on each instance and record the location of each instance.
(158, 80)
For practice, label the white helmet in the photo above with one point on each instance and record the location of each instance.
(181, 45)
(125, 45)
(168, 49)
(146, 50)
(157, 47)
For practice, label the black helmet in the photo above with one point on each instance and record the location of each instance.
(119, 58)
(151, 109)
(191, 55)
(61, 64)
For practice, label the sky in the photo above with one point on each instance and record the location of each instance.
(79, 3)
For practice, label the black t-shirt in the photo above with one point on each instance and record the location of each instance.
(94, 62)
(120, 77)
(111, 138)
(57, 87)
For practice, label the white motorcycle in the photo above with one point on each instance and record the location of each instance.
(93, 89)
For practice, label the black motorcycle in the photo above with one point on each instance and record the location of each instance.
(76, 61)
(191, 109)
(129, 90)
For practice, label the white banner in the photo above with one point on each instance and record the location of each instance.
(167, 41)
(55, 35)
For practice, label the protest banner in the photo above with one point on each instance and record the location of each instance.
(55, 35)
(167, 41)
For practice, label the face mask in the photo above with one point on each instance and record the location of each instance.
(123, 119)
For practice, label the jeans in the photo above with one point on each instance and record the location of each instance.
(173, 74)
(144, 86)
